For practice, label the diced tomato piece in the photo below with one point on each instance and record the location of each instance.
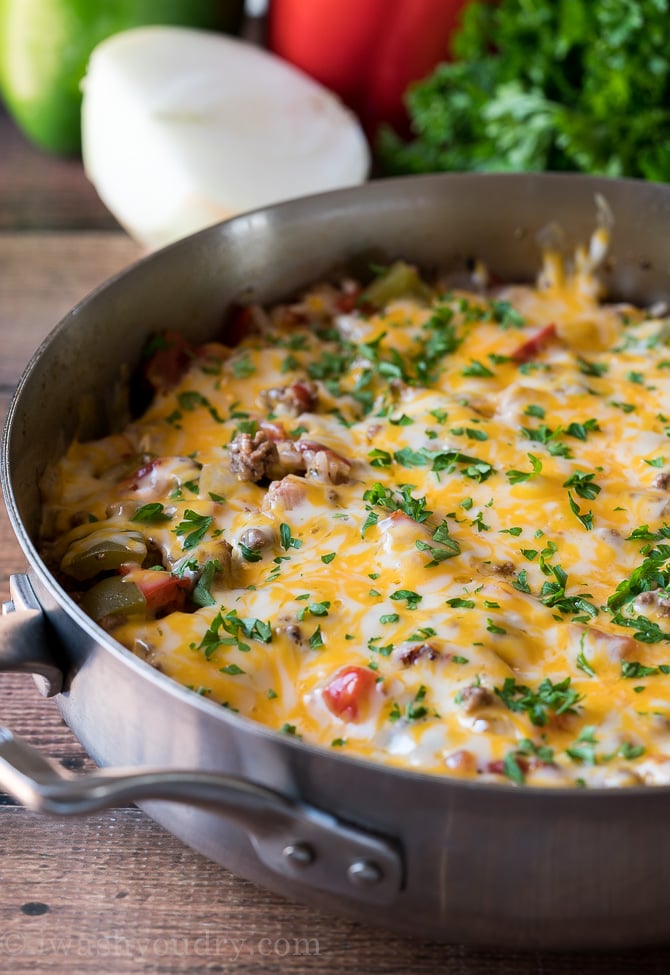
(304, 394)
(497, 767)
(347, 301)
(168, 361)
(348, 693)
(532, 348)
(133, 481)
(240, 323)
(164, 592)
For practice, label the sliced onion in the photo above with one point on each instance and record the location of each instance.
(182, 128)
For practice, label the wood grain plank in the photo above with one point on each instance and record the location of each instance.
(42, 275)
(115, 893)
(40, 191)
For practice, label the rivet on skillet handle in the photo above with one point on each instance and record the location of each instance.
(294, 839)
(24, 638)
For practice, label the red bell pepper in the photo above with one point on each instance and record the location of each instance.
(367, 51)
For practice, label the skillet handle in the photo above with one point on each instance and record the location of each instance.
(24, 638)
(294, 839)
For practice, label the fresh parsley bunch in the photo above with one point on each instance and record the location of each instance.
(546, 85)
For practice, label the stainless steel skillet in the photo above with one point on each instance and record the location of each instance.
(463, 862)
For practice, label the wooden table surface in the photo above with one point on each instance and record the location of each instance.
(114, 893)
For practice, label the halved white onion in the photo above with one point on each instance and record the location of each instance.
(182, 128)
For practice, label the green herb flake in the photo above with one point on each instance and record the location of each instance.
(512, 769)
(193, 528)
(242, 366)
(584, 485)
(232, 670)
(584, 519)
(559, 698)
(287, 539)
(413, 598)
(477, 369)
(583, 664)
(457, 602)
(250, 554)
(316, 639)
(201, 594)
(152, 513)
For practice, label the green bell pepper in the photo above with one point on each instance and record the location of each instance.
(45, 46)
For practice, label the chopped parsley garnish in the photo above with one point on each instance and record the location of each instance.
(652, 573)
(233, 625)
(316, 639)
(587, 519)
(518, 477)
(584, 748)
(242, 367)
(190, 400)
(584, 485)
(444, 460)
(193, 528)
(201, 594)
(152, 513)
(633, 670)
(413, 598)
(232, 670)
(583, 664)
(548, 438)
(521, 582)
(380, 458)
(250, 554)
(630, 751)
(588, 368)
(315, 609)
(549, 698)
(446, 548)
(512, 769)
(290, 729)
(580, 431)
(394, 499)
(477, 369)
(287, 539)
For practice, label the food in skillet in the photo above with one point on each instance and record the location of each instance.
(421, 525)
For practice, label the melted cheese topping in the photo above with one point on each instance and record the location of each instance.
(475, 513)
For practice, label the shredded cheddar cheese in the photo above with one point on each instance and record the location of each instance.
(430, 531)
